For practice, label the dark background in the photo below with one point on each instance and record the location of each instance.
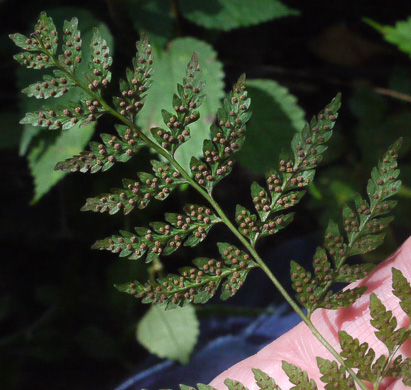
(63, 325)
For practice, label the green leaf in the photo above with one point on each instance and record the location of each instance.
(133, 90)
(229, 14)
(234, 385)
(100, 63)
(227, 137)
(342, 299)
(246, 222)
(402, 290)
(169, 334)
(71, 48)
(385, 323)
(276, 117)
(186, 102)
(50, 86)
(46, 30)
(406, 372)
(196, 284)
(334, 375)
(169, 69)
(352, 273)
(399, 35)
(303, 284)
(264, 381)
(298, 377)
(50, 149)
(358, 356)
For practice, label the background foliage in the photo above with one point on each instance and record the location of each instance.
(59, 312)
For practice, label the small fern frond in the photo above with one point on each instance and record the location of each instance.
(285, 186)
(365, 230)
(123, 146)
(185, 102)
(197, 284)
(138, 193)
(162, 238)
(228, 136)
(138, 81)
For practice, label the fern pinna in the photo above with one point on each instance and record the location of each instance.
(364, 224)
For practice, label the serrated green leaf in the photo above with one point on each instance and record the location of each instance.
(298, 377)
(71, 48)
(230, 14)
(46, 30)
(264, 381)
(351, 273)
(385, 323)
(399, 35)
(169, 334)
(334, 242)
(406, 372)
(276, 117)
(234, 385)
(358, 356)
(402, 290)
(134, 88)
(334, 375)
(160, 238)
(49, 87)
(186, 103)
(303, 284)
(246, 221)
(342, 299)
(170, 67)
(261, 201)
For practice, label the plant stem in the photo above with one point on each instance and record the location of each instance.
(217, 208)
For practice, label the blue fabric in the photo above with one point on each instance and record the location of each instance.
(244, 336)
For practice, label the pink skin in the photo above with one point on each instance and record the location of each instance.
(300, 347)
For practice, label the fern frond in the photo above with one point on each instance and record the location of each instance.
(228, 136)
(365, 228)
(197, 284)
(285, 186)
(133, 90)
(40, 46)
(162, 238)
(127, 142)
(138, 193)
(51, 86)
(185, 102)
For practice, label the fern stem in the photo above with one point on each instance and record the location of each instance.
(217, 208)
